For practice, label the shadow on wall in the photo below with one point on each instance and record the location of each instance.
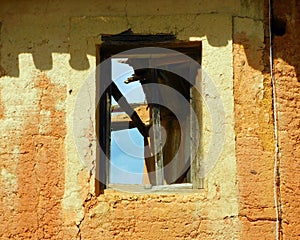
(286, 32)
(47, 27)
(58, 32)
(43, 48)
(43, 37)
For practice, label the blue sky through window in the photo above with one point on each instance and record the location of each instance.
(127, 146)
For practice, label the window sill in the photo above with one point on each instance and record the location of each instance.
(146, 189)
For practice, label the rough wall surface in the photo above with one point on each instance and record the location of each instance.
(162, 216)
(32, 173)
(286, 73)
(254, 130)
(41, 167)
(217, 211)
(48, 50)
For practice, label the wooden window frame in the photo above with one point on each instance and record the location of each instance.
(115, 44)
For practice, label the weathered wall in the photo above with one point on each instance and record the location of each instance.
(286, 73)
(218, 209)
(255, 142)
(254, 129)
(48, 50)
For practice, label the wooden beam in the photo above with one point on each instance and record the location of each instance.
(118, 96)
(157, 140)
(122, 125)
(196, 135)
(157, 144)
(192, 49)
(104, 127)
(97, 104)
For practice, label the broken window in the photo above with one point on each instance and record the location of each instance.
(158, 120)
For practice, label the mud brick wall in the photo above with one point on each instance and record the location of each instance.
(286, 73)
(48, 50)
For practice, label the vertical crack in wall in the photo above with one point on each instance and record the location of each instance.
(89, 203)
(126, 14)
(89, 159)
(78, 236)
(90, 134)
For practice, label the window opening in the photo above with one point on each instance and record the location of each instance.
(125, 116)
(127, 146)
